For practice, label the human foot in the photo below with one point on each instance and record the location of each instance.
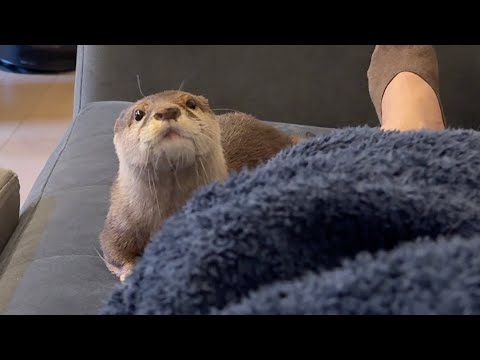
(403, 84)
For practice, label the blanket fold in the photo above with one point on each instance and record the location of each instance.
(331, 225)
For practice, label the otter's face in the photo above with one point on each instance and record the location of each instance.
(166, 131)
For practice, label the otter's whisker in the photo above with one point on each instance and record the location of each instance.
(204, 130)
(139, 88)
(181, 85)
(155, 193)
(212, 136)
(224, 109)
(145, 166)
(174, 172)
(203, 136)
(196, 171)
(178, 183)
(101, 257)
(148, 179)
(156, 164)
(207, 130)
(176, 180)
(204, 170)
(176, 177)
(169, 163)
(152, 190)
(141, 171)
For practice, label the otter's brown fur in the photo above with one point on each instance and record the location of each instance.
(248, 142)
(158, 174)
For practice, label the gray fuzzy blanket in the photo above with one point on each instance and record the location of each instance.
(357, 221)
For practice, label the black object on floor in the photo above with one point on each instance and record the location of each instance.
(38, 58)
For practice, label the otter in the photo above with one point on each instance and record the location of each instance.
(169, 145)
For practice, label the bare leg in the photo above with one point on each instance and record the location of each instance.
(403, 84)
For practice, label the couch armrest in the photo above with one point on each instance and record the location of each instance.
(9, 204)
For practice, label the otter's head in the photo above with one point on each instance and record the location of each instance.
(166, 131)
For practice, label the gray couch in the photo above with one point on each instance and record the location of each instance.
(49, 261)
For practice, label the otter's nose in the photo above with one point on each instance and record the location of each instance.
(168, 114)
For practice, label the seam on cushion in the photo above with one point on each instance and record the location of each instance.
(58, 256)
(64, 256)
(75, 187)
(52, 257)
(83, 140)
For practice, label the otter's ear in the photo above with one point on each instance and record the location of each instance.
(122, 120)
(204, 100)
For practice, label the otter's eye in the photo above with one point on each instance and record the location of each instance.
(191, 104)
(139, 114)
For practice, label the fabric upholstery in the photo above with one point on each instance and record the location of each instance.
(321, 85)
(9, 204)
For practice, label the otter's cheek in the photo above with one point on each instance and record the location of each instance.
(128, 151)
(186, 124)
(142, 150)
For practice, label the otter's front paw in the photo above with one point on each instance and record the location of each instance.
(127, 271)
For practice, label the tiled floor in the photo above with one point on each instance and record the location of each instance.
(35, 111)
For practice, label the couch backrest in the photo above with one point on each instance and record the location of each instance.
(322, 85)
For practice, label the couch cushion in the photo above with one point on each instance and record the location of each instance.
(51, 265)
(59, 225)
(9, 204)
(322, 85)
(306, 84)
